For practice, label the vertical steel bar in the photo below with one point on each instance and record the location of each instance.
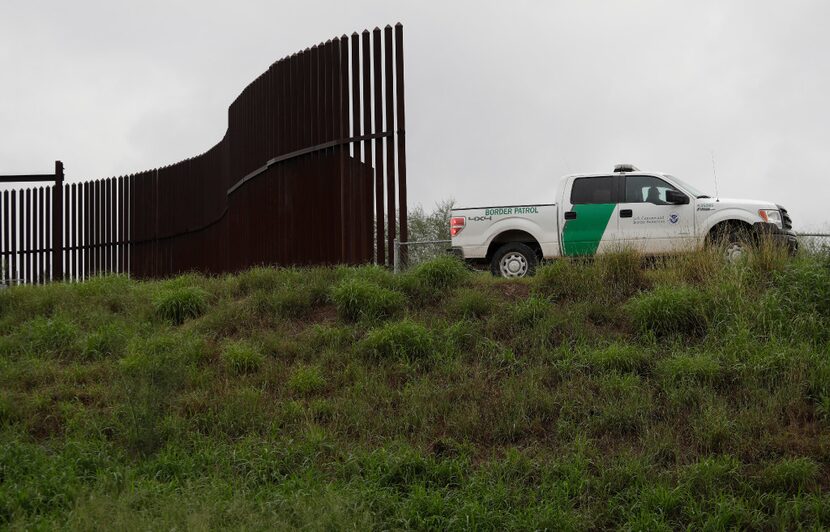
(15, 236)
(41, 246)
(47, 243)
(390, 145)
(107, 225)
(7, 256)
(343, 121)
(86, 228)
(57, 223)
(27, 223)
(379, 195)
(358, 199)
(401, 115)
(375, 223)
(120, 236)
(73, 232)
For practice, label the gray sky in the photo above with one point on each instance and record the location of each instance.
(503, 98)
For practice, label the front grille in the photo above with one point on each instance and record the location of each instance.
(786, 221)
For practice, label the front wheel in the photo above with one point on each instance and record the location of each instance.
(514, 260)
(735, 243)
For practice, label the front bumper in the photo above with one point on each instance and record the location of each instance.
(773, 233)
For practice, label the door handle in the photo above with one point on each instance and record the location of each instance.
(626, 213)
(570, 215)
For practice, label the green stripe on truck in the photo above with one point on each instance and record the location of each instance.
(582, 235)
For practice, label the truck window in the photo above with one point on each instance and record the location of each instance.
(646, 189)
(588, 190)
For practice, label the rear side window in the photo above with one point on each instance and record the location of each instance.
(592, 190)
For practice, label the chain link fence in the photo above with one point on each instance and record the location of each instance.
(409, 254)
(814, 242)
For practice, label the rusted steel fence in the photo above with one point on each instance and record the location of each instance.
(311, 170)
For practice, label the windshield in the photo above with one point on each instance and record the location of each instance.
(689, 188)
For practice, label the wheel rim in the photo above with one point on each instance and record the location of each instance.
(735, 251)
(513, 264)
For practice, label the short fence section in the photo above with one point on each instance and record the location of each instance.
(311, 170)
(814, 242)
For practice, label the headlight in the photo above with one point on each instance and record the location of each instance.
(772, 216)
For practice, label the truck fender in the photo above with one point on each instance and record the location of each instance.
(723, 216)
(513, 224)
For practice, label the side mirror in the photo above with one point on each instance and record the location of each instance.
(676, 198)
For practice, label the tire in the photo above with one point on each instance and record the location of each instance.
(514, 260)
(735, 243)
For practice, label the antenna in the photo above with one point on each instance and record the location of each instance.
(715, 174)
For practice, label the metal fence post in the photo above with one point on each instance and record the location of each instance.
(57, 224)
(397, 261)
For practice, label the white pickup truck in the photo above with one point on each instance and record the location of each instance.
(652, 212)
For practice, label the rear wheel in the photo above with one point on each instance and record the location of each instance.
(514, 260)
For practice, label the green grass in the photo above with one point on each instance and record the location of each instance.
(618, 393)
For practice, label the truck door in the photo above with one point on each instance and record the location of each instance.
(649, 221)
(588, 215)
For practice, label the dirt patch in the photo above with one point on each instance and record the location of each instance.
(513, 290)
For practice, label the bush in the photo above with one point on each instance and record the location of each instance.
(56, 336)
(108, 340)
(790, 474)
(285, 303)
(617, 357)
(262, 279)
(242, 357)
(177, 305)
(703, 368)
(403, 340)
(431, 281)
(567, 279)
(531, 310)
(361, 300)
(153, 372)
(668, 311)
(471, 303)
(306, 380)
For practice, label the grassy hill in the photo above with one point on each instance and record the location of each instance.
(604, 394)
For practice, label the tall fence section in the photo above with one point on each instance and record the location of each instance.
(311, 170)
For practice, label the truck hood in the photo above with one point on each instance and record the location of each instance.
(723, 203)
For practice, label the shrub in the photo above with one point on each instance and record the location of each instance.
(531, 310)
(703, 368)
(242, 357)
(262, 278)
(790, 474)
(361, 300)
(622, 273)
(306, 380)
(567, 279)
(108, 340)
(431, 281)
(286, 303)
(617, 357)
(668, 311)
(176, 305)
(241, 412)
(711, 474)
(403, 340)
(441, 273)
(57, 336)
(226, 318)
(471, 303)
(153, 372)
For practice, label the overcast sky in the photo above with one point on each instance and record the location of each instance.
(503, 98)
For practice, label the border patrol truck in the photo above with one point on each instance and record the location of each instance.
(651, 212)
